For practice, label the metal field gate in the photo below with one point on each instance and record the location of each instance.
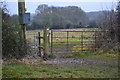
(64, 41)
(75, 40)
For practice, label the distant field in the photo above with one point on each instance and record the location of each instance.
(60, 33)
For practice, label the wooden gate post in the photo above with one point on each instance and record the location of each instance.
(39, 44)
(51, 41)
(46, 42)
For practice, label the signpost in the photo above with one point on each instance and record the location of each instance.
(21, 9)
(24, 18)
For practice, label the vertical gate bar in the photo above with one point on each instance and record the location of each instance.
(95, 40)
(34, 40)
(105, 36)
(67, 40)
(82, 41)
(51, 41)
(34, 44)
(39, 43)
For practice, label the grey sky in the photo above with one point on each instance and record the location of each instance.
(86, 6)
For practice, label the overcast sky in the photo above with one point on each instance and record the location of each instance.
(89, 6)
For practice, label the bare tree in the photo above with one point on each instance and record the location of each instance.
(118, 20)
(108, 25)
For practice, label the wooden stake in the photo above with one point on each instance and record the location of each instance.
(51, 41)
(46, 43)
(39, 43)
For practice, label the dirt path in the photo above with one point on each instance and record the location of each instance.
(84, 61)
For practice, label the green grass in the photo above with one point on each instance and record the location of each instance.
(71, 39)
(42, 70)
(93, 55)
(79, 54)
(51, 56)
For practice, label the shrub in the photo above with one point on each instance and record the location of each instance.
(12, 45)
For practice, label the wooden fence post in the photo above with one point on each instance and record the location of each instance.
(39, 44)
(51, 41)
(46, 43)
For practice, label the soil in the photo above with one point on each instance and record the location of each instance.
(83, 61)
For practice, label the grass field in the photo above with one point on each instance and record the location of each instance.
(43, 70)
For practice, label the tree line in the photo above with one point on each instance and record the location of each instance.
(65, 18)
(59, 17)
